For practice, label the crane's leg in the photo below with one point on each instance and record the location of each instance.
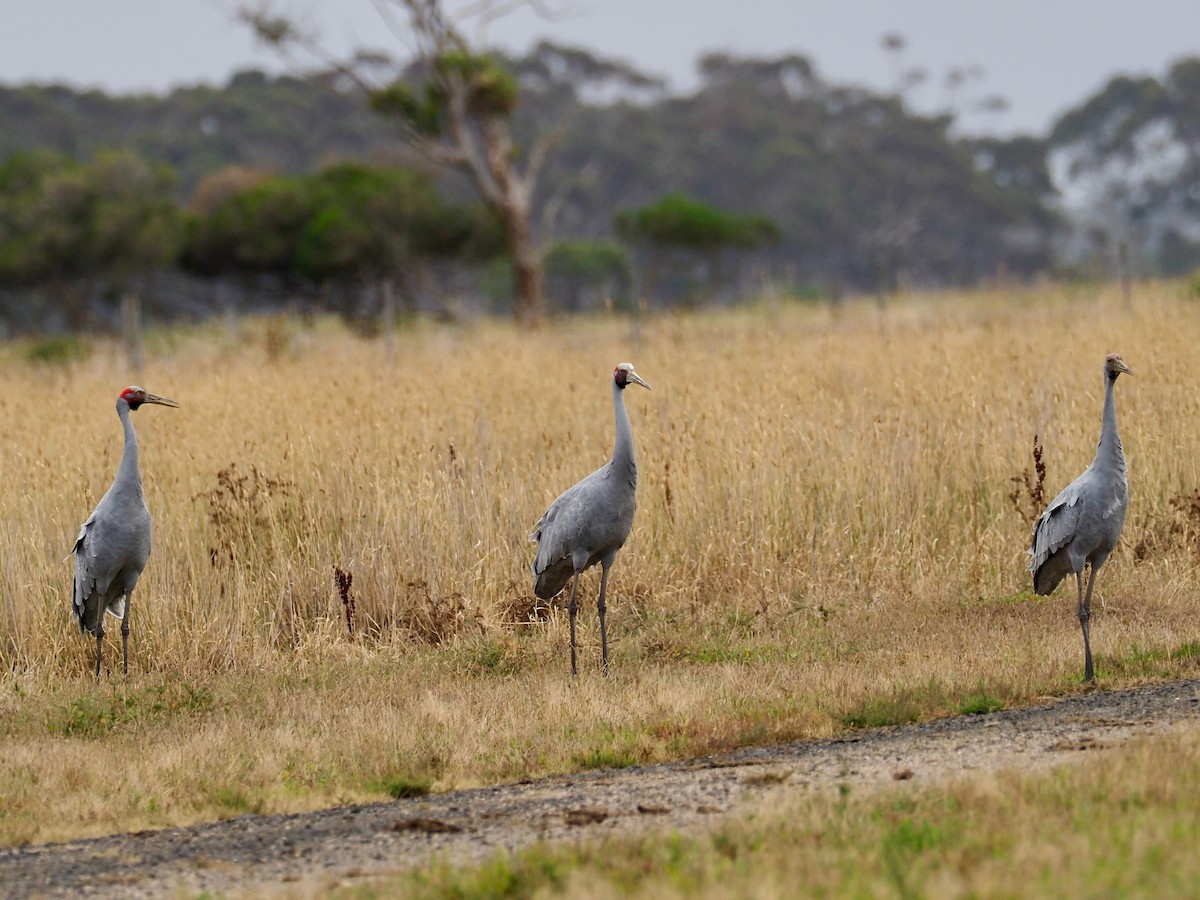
(99, 633)
(603, 628)
(125, 635)
(1085, 614)
(571, 608)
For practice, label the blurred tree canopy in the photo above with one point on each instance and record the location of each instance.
(82, 227)
(679, 221)
(682, 224)
(1128, 161)
(283, 175)
(347, 226)
(587, 274)
(451, 102)
(852, 178)
(346, 221)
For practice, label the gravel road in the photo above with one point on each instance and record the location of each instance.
(255, 853)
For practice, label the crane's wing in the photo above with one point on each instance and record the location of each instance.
(91, 579)
(1054, 529)
(557, 533)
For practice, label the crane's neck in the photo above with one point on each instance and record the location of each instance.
(129, 473)
(623, 459)
(1110, 441)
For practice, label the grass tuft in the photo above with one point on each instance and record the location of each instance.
(980, 704)
(402, 787)
(903, 707)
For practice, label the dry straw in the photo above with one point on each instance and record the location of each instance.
(826, 517)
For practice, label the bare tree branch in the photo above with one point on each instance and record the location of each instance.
(540, 150)
(485, 12)
(455, 115)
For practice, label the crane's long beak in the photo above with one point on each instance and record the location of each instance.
(636, 379)
(162, 401)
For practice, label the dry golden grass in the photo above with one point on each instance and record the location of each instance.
(824, 537)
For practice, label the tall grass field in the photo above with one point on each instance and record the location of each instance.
(833, 511)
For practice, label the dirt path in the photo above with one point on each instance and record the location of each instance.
(255, 852)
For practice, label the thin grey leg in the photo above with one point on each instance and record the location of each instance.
(125, 634)
(99, 632)
(571, 608)
(1085, 614)
(603, 628)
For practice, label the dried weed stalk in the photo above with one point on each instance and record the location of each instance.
(344, 581)
(1028, 495)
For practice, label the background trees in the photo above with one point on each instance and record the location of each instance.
(343, 227)
(453, 104)
(293, 182)
(681, 231)
(85, 232)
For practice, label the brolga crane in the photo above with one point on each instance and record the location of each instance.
(1083, 523)
(114, 543)
(590, 521)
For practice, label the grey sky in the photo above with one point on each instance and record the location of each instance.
(1043, 56)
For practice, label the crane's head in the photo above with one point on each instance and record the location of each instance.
(136, 396)
(623, 376)
(1114, 366)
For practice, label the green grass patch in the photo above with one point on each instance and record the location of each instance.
(530, 873)
(57, 350)
(611, 749)
(233, 799)
(491, 657)
(402, 787)
(716, 652)
(1151, 661)
(902, 707)
(95, 714)
(979, 704)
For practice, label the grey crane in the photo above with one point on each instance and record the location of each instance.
(114, 543)
(590, 521)
(1083, 523)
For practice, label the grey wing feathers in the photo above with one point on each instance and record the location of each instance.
(554, 535)
(1055, 529)
(84, 583)
(86, 589)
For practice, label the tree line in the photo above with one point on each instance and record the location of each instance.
(299, 183)
(79, 236)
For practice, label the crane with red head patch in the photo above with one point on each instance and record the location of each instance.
(136, 396)
(114, 543)
(590, 521)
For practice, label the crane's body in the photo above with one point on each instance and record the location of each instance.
(114, 543)
(590, 521)
(1081, 525)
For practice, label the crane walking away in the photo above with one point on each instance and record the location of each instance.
(114, 543)
(1083, 523)
(590, 521)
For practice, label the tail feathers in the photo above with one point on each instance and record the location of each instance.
(86, 617)
(550, 582)
(1049, 574)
